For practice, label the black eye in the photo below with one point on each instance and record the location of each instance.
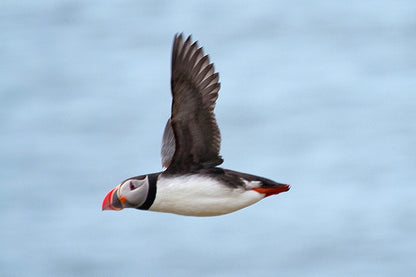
(132, 187)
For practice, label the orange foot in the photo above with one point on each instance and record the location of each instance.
(272, 190)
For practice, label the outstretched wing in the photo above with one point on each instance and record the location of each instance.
(195, 87)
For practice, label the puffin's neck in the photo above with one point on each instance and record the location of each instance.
(151, 195)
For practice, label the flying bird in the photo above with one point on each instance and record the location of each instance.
(192, 184)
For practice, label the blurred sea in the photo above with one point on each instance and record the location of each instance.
(318, 94)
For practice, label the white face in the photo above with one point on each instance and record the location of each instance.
(133, 192)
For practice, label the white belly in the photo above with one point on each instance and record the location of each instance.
(200, 196)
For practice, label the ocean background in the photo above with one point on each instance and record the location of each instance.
(317, 94)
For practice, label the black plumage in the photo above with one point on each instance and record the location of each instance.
(196, 136)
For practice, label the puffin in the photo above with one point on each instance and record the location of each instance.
(192, 183)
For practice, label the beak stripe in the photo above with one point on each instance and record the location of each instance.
(116, 201)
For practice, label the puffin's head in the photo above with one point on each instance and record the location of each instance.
(131, 193)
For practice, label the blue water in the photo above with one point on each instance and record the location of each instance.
(317, 94)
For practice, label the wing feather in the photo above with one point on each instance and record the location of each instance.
(195, 86)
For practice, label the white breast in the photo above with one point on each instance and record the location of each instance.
(201, 196)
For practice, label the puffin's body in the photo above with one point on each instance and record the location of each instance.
(192, 183)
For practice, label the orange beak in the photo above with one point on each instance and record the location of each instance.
(111, 201)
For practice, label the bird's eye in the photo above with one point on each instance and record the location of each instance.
(132, 187)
